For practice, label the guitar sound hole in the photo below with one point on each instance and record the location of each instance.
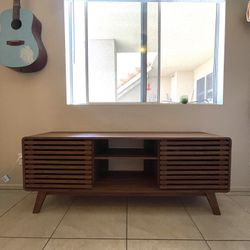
(16, 24)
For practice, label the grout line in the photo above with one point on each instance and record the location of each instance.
(58, 224)
(15, 205)
(229, 240)
(118, 239)
(127, 224)
(197, 240)
(46, 244)
(239, 205)
(240, 193)
(94, 238)
(191, 218)
(22, 237)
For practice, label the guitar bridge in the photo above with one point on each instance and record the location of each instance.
(15, 43)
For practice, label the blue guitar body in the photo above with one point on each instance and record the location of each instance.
(21, 48)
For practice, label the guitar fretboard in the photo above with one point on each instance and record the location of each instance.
(16, 9)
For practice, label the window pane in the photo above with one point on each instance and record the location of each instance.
(209, 88)
(75, 51)
(201, 90)
(187, 47)
(114, 51)
(191, 38)
(152, 55)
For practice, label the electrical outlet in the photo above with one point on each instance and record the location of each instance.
(6, 178)
(19, 159)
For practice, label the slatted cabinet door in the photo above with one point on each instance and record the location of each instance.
(195, 164)
(54, 164)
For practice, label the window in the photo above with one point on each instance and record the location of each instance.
(205, 89)
(144, 52)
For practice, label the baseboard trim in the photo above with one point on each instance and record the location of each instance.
(11, 186)
(20, 186)
(240, 189)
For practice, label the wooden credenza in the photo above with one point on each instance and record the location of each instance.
(173, 164)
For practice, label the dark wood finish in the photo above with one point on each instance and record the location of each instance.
(57, 164)
(174, 164)
(184, 164)
(39, 201)
(213, 203)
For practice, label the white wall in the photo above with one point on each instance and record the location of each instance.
(203, 69)
(185, 84)
(35, 103)
(102, 67)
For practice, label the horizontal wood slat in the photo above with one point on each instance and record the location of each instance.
(193, 167)
(57, 142)
(86, 156)
(58, 176)
(41, 148)
(194, 153)
(59, 164)
(55, 171)
(194, 177)
(205, 162)
(57, 186)
(55, 181)
(194, 143)
(193, 147)
(57, 152)
(193, 157)
(195, 182)
(194, 187)
(59, 161)
(196, 172)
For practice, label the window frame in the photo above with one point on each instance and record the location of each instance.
(70, 44)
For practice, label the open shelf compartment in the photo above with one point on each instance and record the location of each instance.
(148, 150)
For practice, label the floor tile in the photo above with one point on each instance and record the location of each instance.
(22, 244)
(233, 224)
(9, 198)
(238, 193)
(229, 245)
(94, 218)
(76, 244)
(21, 222)
(158, 218)
(243, 201)
(166, 244)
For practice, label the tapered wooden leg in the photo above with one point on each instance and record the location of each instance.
(213, 203)
(39, 201)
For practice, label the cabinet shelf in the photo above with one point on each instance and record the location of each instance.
(127, 182)
(134, 153)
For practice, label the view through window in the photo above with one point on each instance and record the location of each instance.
(144, 52)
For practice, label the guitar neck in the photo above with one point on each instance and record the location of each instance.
(16, 9)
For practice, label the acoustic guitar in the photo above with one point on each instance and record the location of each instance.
(21, 47)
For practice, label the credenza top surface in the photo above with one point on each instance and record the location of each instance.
(132, 135)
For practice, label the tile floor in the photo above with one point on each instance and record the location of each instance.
(119, 224)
